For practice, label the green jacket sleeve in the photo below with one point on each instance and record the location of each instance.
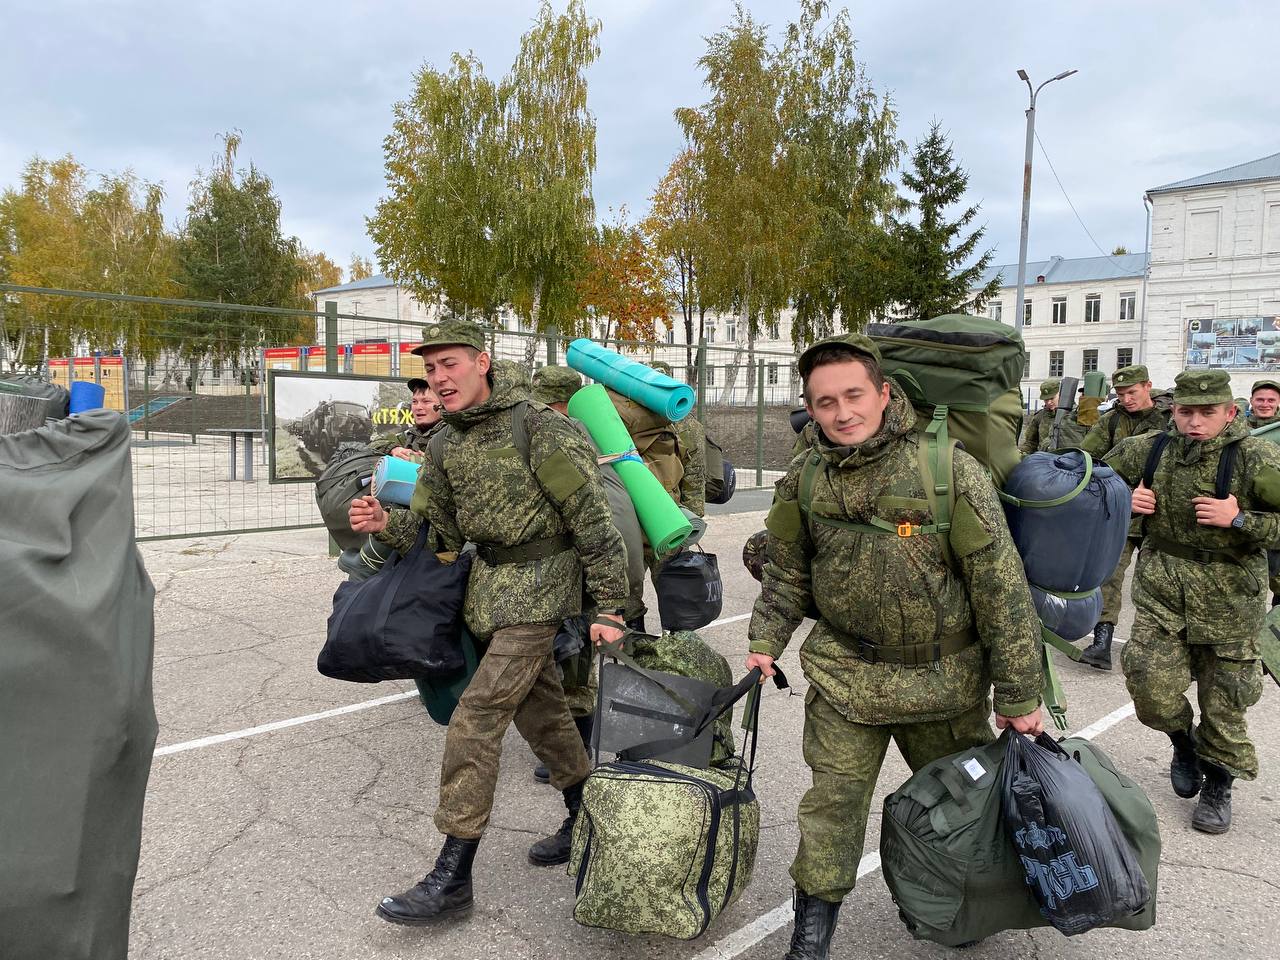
(1261, 504)
(433, 500)
(786, 595)
(693, 451)
(1003, 612)
(1129, 456)
(564, 464)
(1095, 442)
(386, 443)
(1031, 437)
(401, 530)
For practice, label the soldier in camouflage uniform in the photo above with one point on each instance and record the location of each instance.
(1134, 413)
(1200, 588)
(692, 437)
(1039, 434)
(907, 645)
(1264, 404)
(541, 529)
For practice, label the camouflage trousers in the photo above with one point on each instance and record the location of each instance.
(1111, 590)
(845, 760)
(582, 699)
(517, 680)
(1159, 668)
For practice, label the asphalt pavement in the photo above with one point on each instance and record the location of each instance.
(282, 805)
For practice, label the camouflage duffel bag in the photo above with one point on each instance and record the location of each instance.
(664, 848)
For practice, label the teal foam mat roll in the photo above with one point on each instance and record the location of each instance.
(635, 381)
(665, 526)
(394, 480)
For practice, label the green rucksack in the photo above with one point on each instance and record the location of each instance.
(948, 860)
(344, 478)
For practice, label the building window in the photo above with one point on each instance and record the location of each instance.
(995, 310)
(731, 331)
(711, 333)
(711, 375)
(1026, 313)
(1092, 308)
(1124, 357)
(772, 329)
(1055, 363)
(1059, 312)
(1090, 362)
(1026, 365)
(1128, 306)
(671, 336)
(772, 374)
(1202, 234)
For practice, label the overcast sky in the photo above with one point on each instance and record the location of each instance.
(1166, 90)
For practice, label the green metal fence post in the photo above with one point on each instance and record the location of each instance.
(552, 336)
(702, 378)
(331, 336)
(760, 423)
(146, 401)
(195, 376)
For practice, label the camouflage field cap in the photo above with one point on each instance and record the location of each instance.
(555, 384)
(1049, 388)
(1264, 384)
(1199, 388)
(859, 342)
(451, 331)
(661, 366)
(1128, 376)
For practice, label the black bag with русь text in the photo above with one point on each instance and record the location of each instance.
(690, 593)
(403, 623)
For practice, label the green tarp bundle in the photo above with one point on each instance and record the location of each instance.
(77, 720)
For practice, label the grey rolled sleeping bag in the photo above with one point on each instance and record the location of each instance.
(77, 719)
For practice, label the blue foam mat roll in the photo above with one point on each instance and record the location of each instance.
(662, 394)
(394, 480)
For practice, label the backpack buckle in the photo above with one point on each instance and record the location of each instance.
(905, 530)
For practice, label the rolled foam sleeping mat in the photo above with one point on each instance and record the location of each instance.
(646, 386)
(394, 480)
(665, 527)
(1070, 617)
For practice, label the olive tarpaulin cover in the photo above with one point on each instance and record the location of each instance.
(76, 708)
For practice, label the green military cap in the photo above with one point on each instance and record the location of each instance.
(661, 366)
(857, 341)
(1199, 388)
(555, 384)
(1128, 376)
(451, 331)
(1260, 384)
(1049, 388)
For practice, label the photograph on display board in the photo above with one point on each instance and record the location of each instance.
(1197, 358)
(1203, 341)
(1222, 356)
(309, 415)
(1270, 356)
(1248, 356)
(1269, 338)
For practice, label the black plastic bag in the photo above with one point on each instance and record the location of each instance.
(1079, 866)
(690, 593)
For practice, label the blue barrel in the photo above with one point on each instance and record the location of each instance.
(1069, 517)
(1071, 616)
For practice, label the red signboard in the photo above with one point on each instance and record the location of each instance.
(372, 349)
(281, 353)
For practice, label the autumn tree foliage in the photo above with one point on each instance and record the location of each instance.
(622, 286)
(676, 230)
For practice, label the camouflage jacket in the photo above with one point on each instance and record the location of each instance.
(692, 437)
(1215, 602)
(412, 436)
(487, 495)
(895, 591)
(1039, 433)
(402, 525)
(1256, 421)
(1118, 424)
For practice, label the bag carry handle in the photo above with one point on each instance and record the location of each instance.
(1056, 501)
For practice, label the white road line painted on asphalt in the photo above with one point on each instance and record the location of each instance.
(326, 714)
(746, 937)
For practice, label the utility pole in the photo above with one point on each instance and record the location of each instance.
(1018, 309)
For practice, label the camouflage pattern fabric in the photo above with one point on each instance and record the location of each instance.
(692, 437)
(412, 437)
(845, 760)
(555, 384)
(1200, 621)
(517, 680)
(1038, 435)
(894, 591)
(1113, 588)
(487, 494)
(1254, 421)
(582, 699)
(1118, 424)
(402, 526)
(753, 552)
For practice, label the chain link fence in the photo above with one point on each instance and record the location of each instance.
(194, 379)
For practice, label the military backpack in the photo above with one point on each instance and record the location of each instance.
(344, 478)
(722, 479)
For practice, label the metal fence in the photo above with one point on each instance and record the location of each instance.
(193, 382)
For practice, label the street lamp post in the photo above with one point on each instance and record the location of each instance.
(1018, 308)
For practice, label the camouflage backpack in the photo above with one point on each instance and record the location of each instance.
(656, 441)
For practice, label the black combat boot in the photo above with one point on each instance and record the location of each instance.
(1098, 653)
(555, 848)
(815, 923)
(443, 892)
(584, 725)
(1213, 812)
(1184, 771)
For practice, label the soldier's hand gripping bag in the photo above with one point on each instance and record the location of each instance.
(690, 593)
(1079, 866)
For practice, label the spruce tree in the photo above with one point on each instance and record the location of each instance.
(930, 276)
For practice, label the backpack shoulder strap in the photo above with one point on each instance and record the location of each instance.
(936, 458)
(520, 428)
(435, 446)
(1226, 467)
(1153, 459)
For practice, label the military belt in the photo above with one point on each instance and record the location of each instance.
(1183, 552)
(911, 654)
(493, 555)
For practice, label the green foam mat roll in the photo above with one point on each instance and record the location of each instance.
(664, 525)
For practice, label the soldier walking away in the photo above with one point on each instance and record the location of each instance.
(1135, 413)
(541, 528)
(1264, 404)
(909, 636)
(1210, 498)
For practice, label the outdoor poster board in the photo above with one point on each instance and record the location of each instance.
(60, 372)
(109, 372)
(282, 358)
(372, 359)
(310, 413)
(1234, 343)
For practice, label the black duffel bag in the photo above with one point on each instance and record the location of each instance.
(403, 623)
(690, 594)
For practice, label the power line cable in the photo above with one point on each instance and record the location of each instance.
(1045, 153)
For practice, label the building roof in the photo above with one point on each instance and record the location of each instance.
(1265, 168)
(368, 283)
(1061, 270)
